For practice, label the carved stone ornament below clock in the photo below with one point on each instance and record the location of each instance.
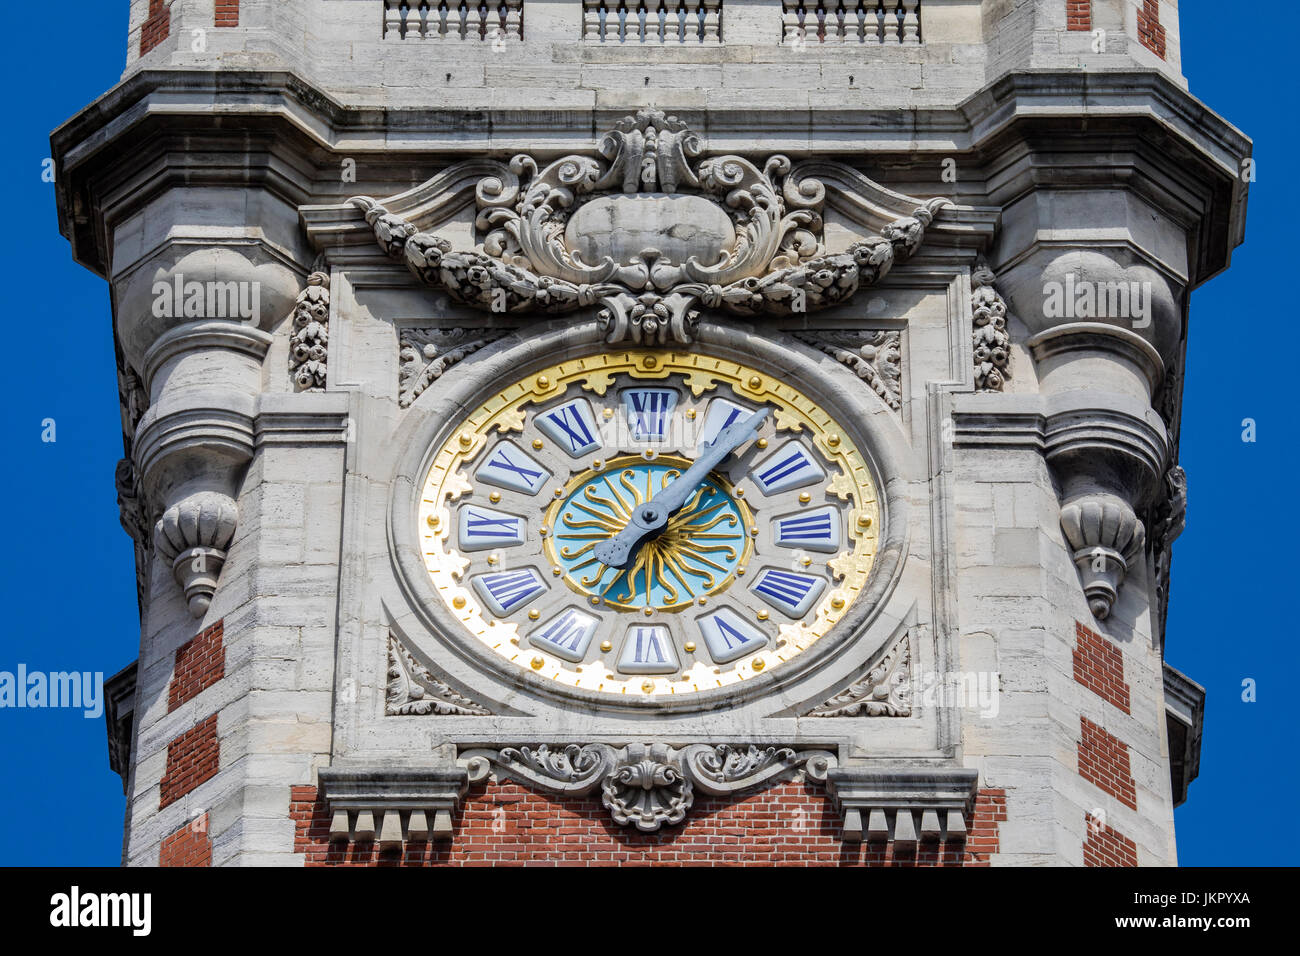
(650, 233)
(647, 785)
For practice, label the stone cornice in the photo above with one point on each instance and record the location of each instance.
(881, 803)
(368, 804)
(290, 119)
(1185, 719)
(119, 717)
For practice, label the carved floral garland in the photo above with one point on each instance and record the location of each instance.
(309, 344)
(991, 341)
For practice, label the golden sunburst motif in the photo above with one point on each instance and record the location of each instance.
(696, 555)
(539, 599)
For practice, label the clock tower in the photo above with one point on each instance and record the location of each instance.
(708, 432)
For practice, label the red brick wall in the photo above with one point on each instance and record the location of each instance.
(1104, 761)
(1078, 14)
(156, 27)
(227, 13)
(789, 824)
(188, 846)
(1099, 666)
(192, 758)
(1150, 32)
(200, 663)
(1106, 846)
(982, 835)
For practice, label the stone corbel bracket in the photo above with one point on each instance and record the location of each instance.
(1105, 321)
(195, 322)
(1108, 463)
(647, 785)
(191, 447)
(392, 805)
(903, 806)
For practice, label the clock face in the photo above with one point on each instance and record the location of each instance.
(744, 568)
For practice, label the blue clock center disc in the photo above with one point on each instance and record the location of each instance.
(696, 555)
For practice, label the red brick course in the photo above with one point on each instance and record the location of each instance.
(1104, 762)
(1106, 846)
(192, 758)
(227, 13)
(1078, 14)
(200, 663)
(156, 27)
(982, 838)
(1150, 33)
(788, 824)
(1099, 666)
(188, 846)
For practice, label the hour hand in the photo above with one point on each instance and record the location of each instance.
(647, 519)
(651, 518)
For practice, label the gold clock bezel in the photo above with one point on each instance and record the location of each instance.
(504, 413)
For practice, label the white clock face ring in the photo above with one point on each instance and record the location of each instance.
(758, 561)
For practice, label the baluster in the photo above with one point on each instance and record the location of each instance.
(392, 19)
(515, 19)
(591, 17)
(712, 21)
(790, 10)
(839, 22)
(911, 21)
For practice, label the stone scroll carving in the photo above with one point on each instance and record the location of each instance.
(884, 691)
(647, 785)
(1169, 522)
(133, 508)
(414, 689)
(425, 354)
(650, 233)
(873, 354)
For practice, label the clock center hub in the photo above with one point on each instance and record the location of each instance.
(695, 554)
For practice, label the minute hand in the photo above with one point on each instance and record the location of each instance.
(652, 516)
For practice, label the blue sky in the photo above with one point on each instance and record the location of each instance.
(67, 571)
